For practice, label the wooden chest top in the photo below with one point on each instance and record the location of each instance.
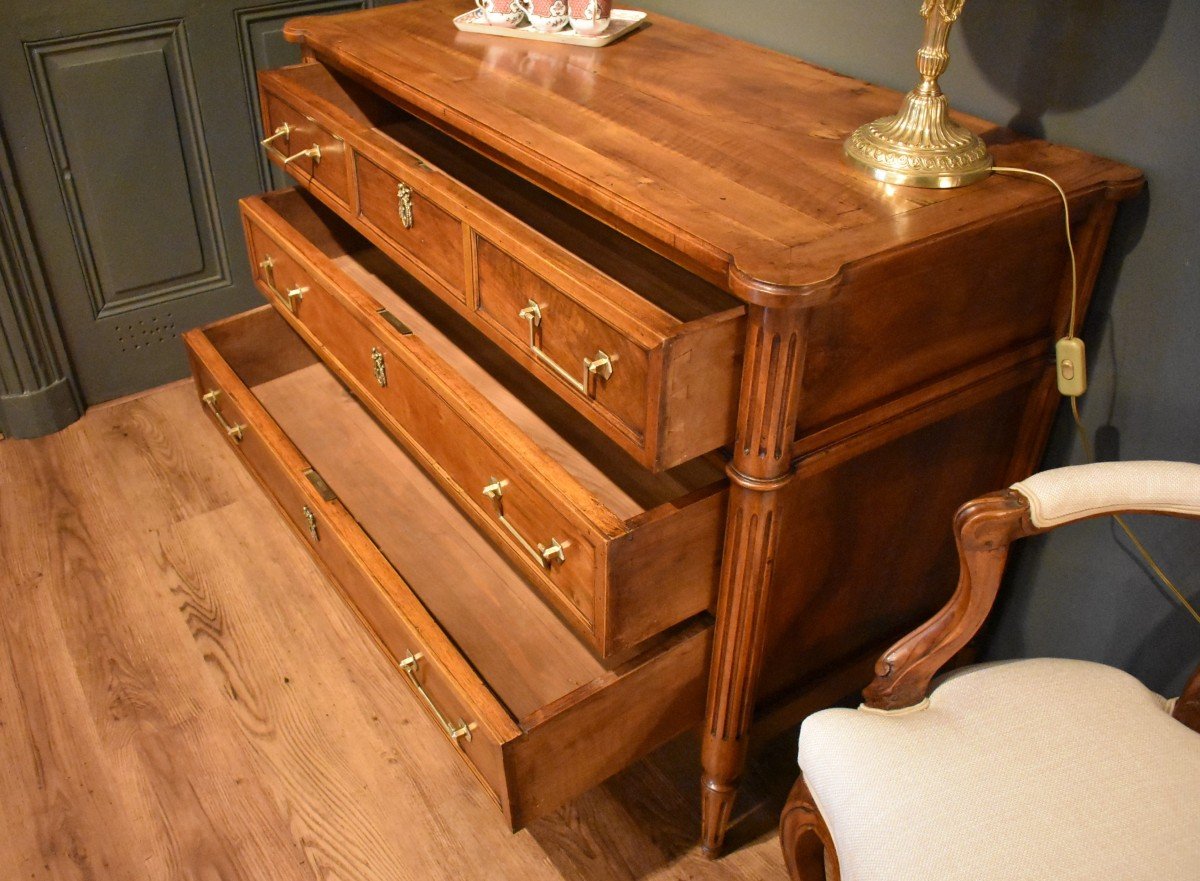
(724, 155)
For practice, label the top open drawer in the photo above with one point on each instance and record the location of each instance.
(644, 349)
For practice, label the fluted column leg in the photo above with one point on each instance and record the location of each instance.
(761, 467)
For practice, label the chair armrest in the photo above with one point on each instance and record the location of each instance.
(1078, 492)
(984, 529)
(1187, 707)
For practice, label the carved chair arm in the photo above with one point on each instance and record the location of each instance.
(1187, 708)
(983, 530)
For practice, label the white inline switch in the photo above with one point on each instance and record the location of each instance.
(1072, 366)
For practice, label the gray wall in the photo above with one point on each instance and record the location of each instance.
(128, 131)
(1119, 78)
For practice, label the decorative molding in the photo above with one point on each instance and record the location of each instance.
(750, 549)
(773, 364)
(866, 142)
(254, 24)
(66, 72)
(772, 370)
(37, 390)
(949, 10)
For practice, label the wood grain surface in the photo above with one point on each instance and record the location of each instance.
(724, 153)
(183, 696)
(470, 415)
(674, 339)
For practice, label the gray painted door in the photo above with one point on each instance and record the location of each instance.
(133, 128)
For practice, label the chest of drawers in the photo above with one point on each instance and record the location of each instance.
(600, 386)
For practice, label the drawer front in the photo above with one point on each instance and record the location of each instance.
(391, 379)
(369, 585)
(311, 153)
(530, 765)
(617, 337)
(581, 352)
(430, 236)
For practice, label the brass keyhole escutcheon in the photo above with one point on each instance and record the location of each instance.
(404, 196)
(380, 367)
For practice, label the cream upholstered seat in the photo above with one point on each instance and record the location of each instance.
(1036, 770)
(1020, 771)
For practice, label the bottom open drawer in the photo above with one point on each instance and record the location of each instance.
(523, 702)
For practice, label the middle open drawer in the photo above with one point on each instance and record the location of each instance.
(621, 553)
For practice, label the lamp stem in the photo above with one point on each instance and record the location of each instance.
(921, 146)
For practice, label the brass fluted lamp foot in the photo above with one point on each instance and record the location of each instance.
(921, 146)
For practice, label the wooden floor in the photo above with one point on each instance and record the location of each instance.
(183, 696)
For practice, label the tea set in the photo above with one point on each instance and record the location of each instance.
(586, 17)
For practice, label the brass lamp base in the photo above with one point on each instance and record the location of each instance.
(921, 146)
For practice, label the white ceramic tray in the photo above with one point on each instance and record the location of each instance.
(622, 22)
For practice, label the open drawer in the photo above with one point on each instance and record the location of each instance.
(644, 349)
(623, 554)
(531, 711)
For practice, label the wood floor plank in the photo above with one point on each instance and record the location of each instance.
(57, 779)
(155, 458)
(60, 772)
(327, 745)
(152, 710)
(182, 695)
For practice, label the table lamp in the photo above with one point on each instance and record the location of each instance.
(921, 146)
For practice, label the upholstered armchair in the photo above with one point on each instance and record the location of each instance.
(1035, 769)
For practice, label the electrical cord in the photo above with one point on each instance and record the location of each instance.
(1074, 399)
(1000, 169)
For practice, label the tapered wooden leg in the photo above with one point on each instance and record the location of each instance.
(760, 468)
(807, 845)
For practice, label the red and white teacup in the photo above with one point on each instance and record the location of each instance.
(590, 17)
(546, 16)
(501, 13)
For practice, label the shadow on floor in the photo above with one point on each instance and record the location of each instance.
(646, 819)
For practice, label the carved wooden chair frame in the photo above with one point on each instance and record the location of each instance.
(984, 529)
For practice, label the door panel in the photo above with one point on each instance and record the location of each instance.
(134, 130)
(112, 103)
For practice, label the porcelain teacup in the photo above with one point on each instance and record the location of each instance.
(500, 13)
(590, 17)
(546, 16)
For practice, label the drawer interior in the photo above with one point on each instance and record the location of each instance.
(515, 642)
(671, 288)
(596, 462)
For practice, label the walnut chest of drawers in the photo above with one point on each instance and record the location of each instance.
(600, 386)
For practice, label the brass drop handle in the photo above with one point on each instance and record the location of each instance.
(410, 667)
(233, 431)
(544, 554)
(404, 203)
(284, 131)
(313, 153)
(292, 297)
(599, 365)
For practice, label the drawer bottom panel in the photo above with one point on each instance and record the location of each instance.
(533, 713)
